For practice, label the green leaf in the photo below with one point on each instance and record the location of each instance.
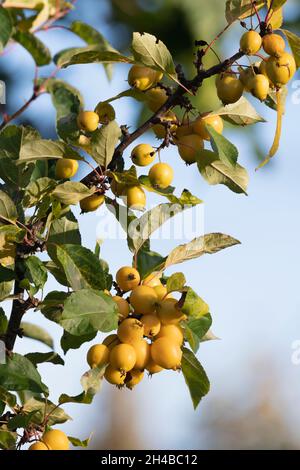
(20, 421)
(6, 28)
(5, 289)
(196, 329)
(150, 51)
(150, 221)
(65, 230)
(215, 171)
(46, 149)
(8, 210)
(8, 439)
(194, 376)
(37, 333)
(37, 190)
(276, 4)
(52, 306)
(87, 311)
(148, 261)
(82, 399)
(40, 53)
(71, 192)
(65, 98)
(56, 272)
(82, 267)
(240, 9)
(103, 143)
(241, 113)
(88, 55)
(144, 180)
(193, 305)
(6, 274)
(78, 443)
(131, 93)
(176, 282)
(40, 358)
(207, 244)
(74, 342)
(36, 271)
(20, 374)
(44, 408)
(8, 398)
(294, 42)
(228, 153)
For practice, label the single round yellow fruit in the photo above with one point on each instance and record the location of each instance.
(166, 353)
(229, 88)
(39, 446)
(152, 280)
(215, 121)
(133, 378)
(143, 155)
(127, 278)
(66, 168)
(160, 130)
(130, 331)
(142, 351)
(156, 98)
(168, 312)
(173, 332)
(97, 356)
(161, 175)
(250, 42)
(134, 197)
(144, 300)
(88, 121)
(259, 86)
(184, 129)
(56, 440)
(281, 69)
(106, 112)
(162, 292)
(114, 376)
(117, 188)
(122, 357)
(111, 341)
(151, 325)
(273, 44)
(142, 78)
(91, 203)
(123, 306)
(152, 367)
(189, 146)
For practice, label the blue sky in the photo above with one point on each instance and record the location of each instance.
(252, 289)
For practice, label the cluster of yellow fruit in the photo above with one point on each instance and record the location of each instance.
(88, 122)
(52, 440)
(149, 335)
(188, 135)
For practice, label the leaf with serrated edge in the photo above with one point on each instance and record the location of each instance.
(46, 149)
(71, 192)
(241, 113)
(176, 282)
(228, 153)
(152, 52)
(86, 311)
(103, 143)
(194, 376)
(29, 330)
(18, 373)
(240, 9)
(214, 171)
(44, 408)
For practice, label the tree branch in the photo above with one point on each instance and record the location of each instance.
(173, 100)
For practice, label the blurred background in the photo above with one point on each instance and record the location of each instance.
(253, 289)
